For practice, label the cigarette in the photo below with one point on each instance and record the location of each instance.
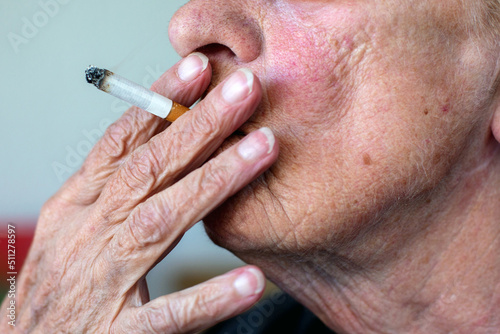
(134, 94)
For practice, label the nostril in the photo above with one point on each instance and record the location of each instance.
(216, 51)
(215, 48)
(227, 30)
(222, 59)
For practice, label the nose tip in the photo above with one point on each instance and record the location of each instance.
(200, 23)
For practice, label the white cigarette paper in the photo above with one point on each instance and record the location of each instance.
(134, 94)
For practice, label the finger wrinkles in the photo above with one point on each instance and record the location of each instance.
(190, 147)
(115, 258)
(155, 321)
(158, 164)
(203, 187)
(187, 144)
(115, 142)
(206, 124)
(150, 223)
(188, 312)
(130, 131)
(175, 316)
(134, 181)
(133, 129)
(137, 176)
(157, 222)
(204, 303)
(141, 170)
(116, 138)
(213, 180)
(98, 167)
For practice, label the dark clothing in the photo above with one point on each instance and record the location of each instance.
(277, 314)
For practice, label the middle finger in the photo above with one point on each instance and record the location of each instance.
(184, 146)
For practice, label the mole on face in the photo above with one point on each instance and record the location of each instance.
(367, 160)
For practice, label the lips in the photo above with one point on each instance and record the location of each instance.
(239, 133)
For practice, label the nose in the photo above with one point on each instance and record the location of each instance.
(227, 23)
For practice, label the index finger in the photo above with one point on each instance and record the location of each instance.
(183, 83)
(153, 225)
(183, 147)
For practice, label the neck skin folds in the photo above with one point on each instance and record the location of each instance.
(445, 279)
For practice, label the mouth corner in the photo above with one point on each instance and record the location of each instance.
(239, 133)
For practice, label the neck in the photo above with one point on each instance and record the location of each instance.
(443, 279)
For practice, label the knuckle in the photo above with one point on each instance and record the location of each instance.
(189, 312)
(116, 138)
(206, 123)
(154, 319)
(53, 209)
(214, 179)
(147, 224)
(204, 303)
(49, 206)
(176, 316)
(117, 255)
(142, 169)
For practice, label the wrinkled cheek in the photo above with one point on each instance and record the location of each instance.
(309, 75)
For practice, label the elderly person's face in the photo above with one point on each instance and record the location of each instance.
(378, 107)
(380, 215)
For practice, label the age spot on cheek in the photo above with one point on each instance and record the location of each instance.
(367, 160)
(445, 108)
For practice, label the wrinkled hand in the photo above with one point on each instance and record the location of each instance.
(138, 191)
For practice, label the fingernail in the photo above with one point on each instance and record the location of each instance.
(238, 86)
(256, 144)
(250, 282)
(192, 66)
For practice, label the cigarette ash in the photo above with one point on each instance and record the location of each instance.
(95, 75)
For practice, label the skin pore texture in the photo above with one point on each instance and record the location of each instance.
(381, 214)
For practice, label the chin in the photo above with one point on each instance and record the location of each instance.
(253, 223)
(240, 224)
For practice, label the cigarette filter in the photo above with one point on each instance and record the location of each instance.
(134, 94)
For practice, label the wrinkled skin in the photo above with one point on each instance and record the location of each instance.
(127, 207)
(380, 214)
(385, 115)
(363, 114)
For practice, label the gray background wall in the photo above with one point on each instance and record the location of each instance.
(49, 115)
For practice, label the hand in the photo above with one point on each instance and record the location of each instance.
(138, 191)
